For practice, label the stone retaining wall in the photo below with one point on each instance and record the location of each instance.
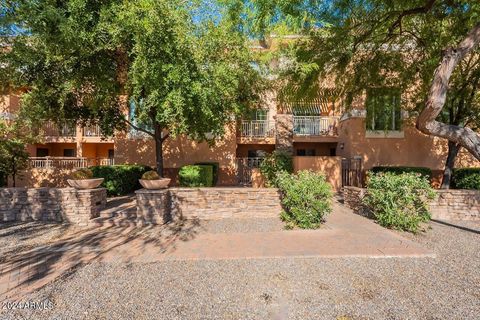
(51, 204)
(154, 206)
(448, 205)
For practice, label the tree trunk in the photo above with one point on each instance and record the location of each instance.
(426, 122)
(453, 149)
(159, 150)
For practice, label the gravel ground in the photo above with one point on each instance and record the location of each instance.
(20, 235)
(446, 287)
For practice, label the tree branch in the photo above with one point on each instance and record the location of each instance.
(139, 129)
(426, 122)
(165, 137)
(398, 22)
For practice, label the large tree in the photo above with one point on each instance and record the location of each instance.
(181, 70)
(405, 44)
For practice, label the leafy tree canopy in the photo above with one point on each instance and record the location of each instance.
(186, 72)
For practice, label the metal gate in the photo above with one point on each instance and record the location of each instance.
(352, 172)
(244, 169)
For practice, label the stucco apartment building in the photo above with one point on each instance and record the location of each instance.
(320, 134)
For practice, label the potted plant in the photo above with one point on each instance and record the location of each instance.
(152, 181)
(83, 179)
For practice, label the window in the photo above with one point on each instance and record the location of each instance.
(69, 152)
(383, 110)
(111, 153)
(42, 152)
(306, 152)
(258, 114)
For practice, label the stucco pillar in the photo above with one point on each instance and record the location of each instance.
(78, 139)
(284, 129)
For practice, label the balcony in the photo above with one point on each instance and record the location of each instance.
(258, 131)
(63, 130)
(67, 162)
(92, 131)
(318, 128)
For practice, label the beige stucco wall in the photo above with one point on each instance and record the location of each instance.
(96, 150)
(330, 166)
(39, 177)
(414, 149)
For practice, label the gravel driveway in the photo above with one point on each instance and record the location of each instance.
(446, 287)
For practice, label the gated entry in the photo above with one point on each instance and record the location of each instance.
(352, 172)
(244, 169)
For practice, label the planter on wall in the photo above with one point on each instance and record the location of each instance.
(85, 183)
(155, 184)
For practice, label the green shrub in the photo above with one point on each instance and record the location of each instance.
(196, 176)
(466, 178)
(150, 175)
(275, 163)
(215, 168)
(120, 179)
(426, 172)
(82, 174)
(399, 201)
(306, 198)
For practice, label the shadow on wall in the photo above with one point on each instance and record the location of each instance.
(39, 177)
(182, 151)
(415, 149)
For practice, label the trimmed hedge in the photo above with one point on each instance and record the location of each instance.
(120, 179)
(466, 178)
(426, 172)
(196, 176)
(215, 168)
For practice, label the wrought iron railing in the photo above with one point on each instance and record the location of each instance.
(244, 169)
(257, 128)
(315, 126)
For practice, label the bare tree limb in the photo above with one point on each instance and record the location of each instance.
(426, 122)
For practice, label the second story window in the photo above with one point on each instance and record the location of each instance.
(258, 115)
(383, 110)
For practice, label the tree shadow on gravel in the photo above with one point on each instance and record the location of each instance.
(22, 271)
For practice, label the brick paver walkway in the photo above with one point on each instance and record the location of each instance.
(344, 235)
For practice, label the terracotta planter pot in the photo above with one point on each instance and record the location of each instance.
(155, 184)
(85, 184)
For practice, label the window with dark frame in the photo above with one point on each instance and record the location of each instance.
(384, 109)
